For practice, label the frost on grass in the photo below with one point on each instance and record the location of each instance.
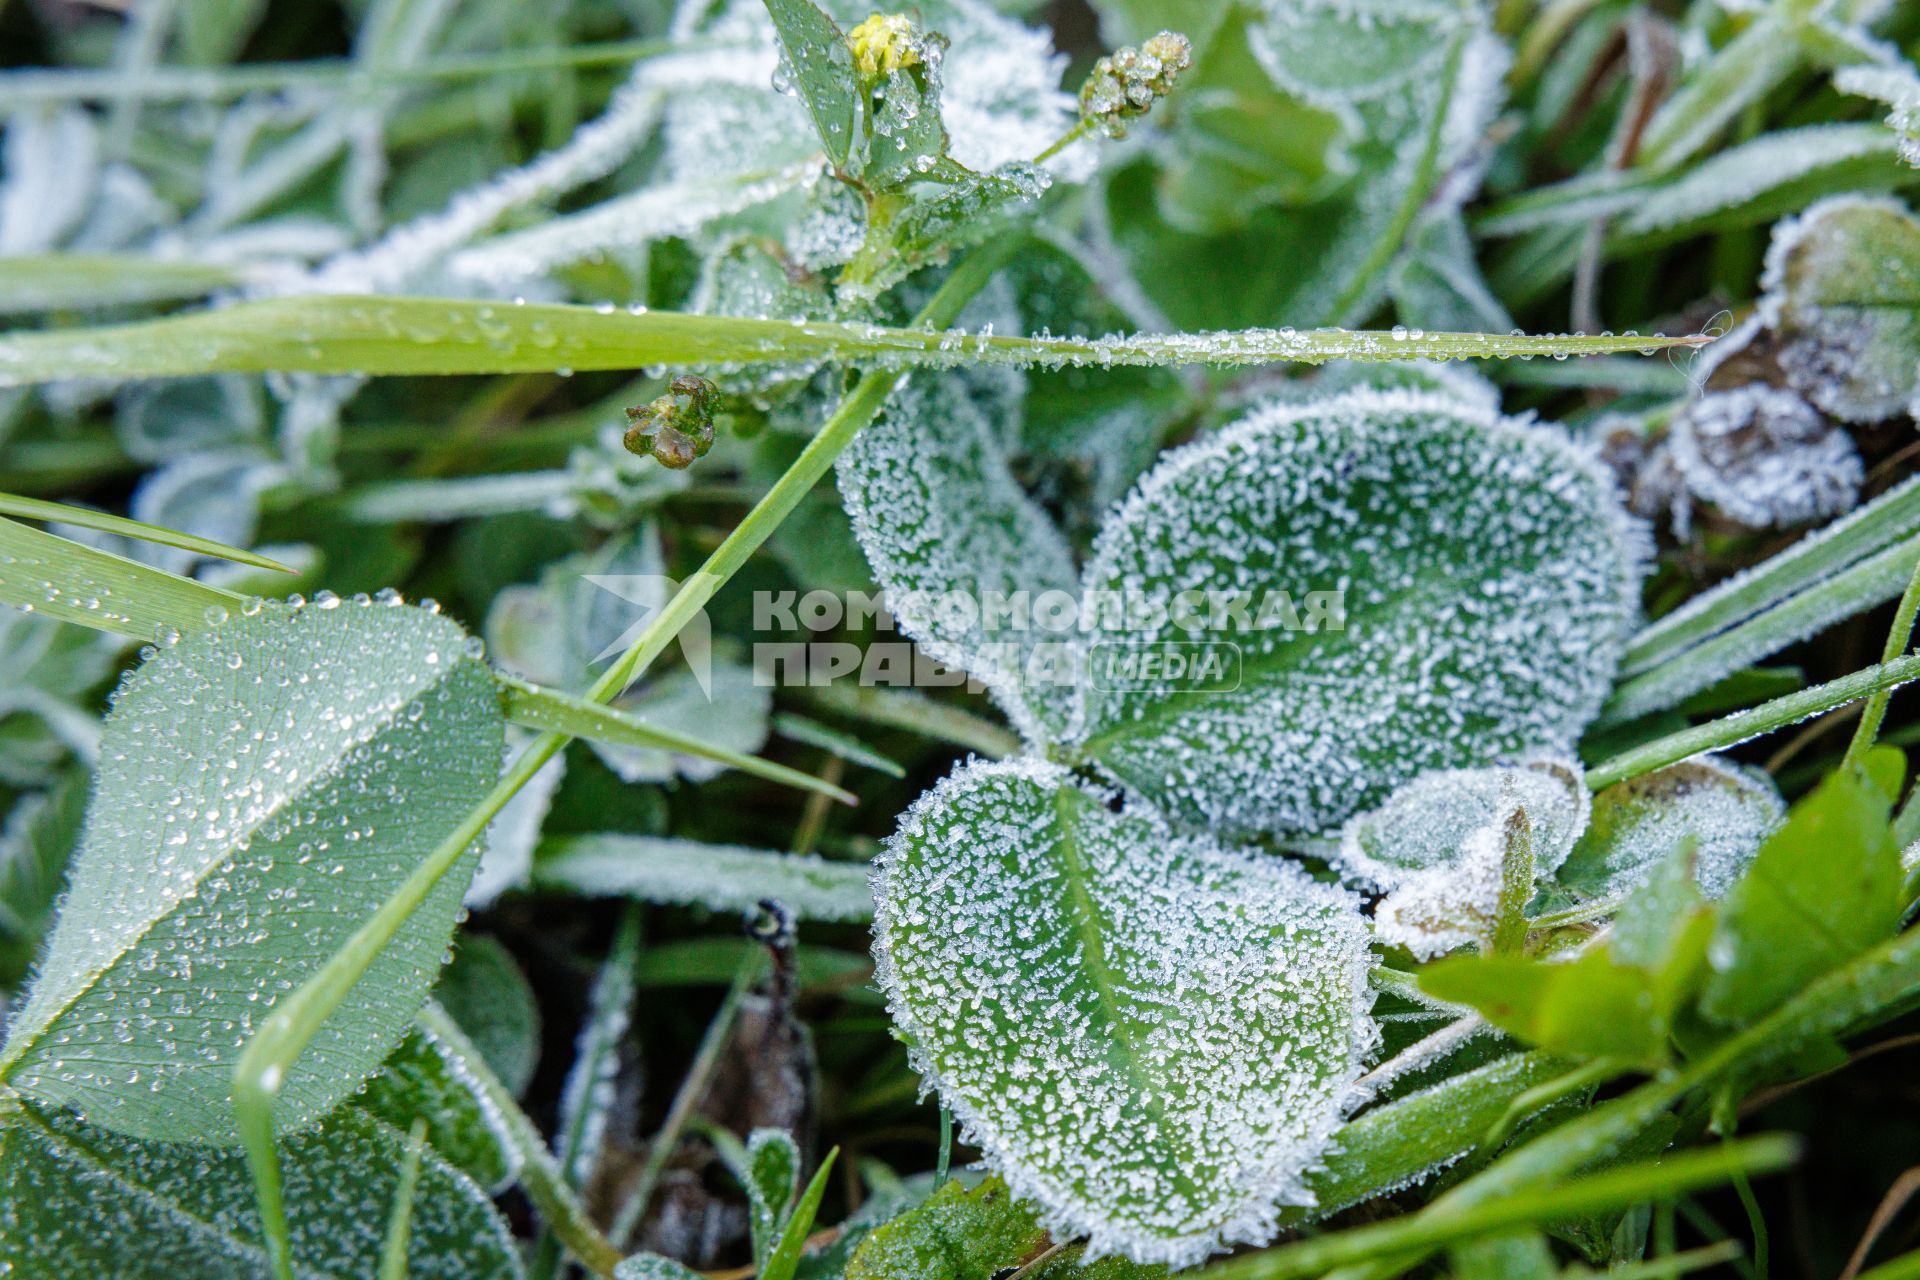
(264, 785)
(1728, 810)
(1899, 88)
(690, 873)
(1148, 1034)
(1840, 280)
(1489, 577)
(80, 1201)
(945, 526)
(1437, 848)
(1765, 457)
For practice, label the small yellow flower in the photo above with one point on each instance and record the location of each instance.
(884, 44)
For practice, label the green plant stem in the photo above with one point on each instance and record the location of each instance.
(1516, 886)
(1752, 723)
(1756, 1224)
(1425, 1231)
(393, 1255)
(1080, 129)
(285, 1034)
(1875, 711)
(693, 1086)
(1586, 1075)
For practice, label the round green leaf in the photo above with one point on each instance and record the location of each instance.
(1488, 575)
(1150, 1035)
(264, 785)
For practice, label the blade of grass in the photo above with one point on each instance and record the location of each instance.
(1897, 639)
(86, 518)
(57, 281)
(1890, 518)
(785, 1258)
(1855, 589)
(393, 1255)
(1754, 722)
(536, 707)
(1595, 1193)
(223, 84)
(916, 713)
(361, 335)
(44, 573)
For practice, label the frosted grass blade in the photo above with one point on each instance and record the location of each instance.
(86, 518)
(447, 336)
(55, 576)
(689, 872)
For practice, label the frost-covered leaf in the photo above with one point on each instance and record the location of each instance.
(1728, 811)
(732, 713)
(1488, 578)
(1209, 1007)
(688, 872)
(1765, 457)
(1437, 847)
(36, 843)
(947, 530)
(651, 1266)
(1436, 283)
(1799, 910)
(51, 156)
(263, 786)
(79, 1201)
(426, 1080)
(1899, 88)
(1843, 302)
(484, 991)
(772, 1178)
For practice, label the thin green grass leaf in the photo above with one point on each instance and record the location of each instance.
(393, 1257)
(45, 573)
(356, 335)
(691, 873)
(87, 518)
(73, 281)
(546, 710)
(1746, 725)
(785, 1258)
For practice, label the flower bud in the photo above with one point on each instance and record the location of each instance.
(1126, 83)
(677, 427)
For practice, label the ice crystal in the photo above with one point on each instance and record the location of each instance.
(1437, 847)
(1148, 1034)
(1728, 810)
(1765, 457)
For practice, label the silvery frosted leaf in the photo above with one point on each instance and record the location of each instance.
(692, 873)
(51, 156)
(483, 990)
(947, 530)
(1488, 579)
(1765, 457)
(263, 786)
(1841, 280)
(1148, 1034)
(425, 1079)
(1727, 809)
(1899, 88)
(772, 1177)
(157, 422)
(1437, 847)
(80, 1201)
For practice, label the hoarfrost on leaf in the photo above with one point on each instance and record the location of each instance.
(1437, 847)
(1729, 811)
(1149, 1034)
(1488, 577)
(1765, 457)
(1899, 88)
(1841, 281)
(692, 873)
